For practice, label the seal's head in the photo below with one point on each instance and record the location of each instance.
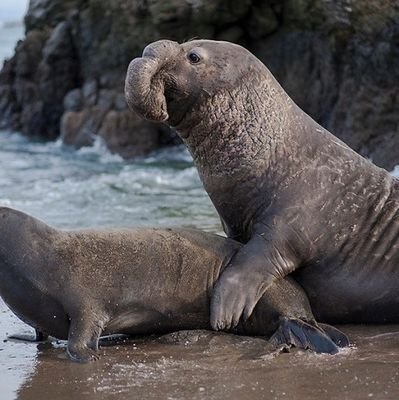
(171, 79)
(224, 103)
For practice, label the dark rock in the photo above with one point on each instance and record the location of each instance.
(122, 131)
(73, 100)
(129, 135)
(79, 129)
(89, 92)
(263, 22)
(106, 98)
(43, 71)
(48, 12)
(120, 102)
(28, 54)
(339, 60)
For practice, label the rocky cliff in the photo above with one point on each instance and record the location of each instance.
(339, 60)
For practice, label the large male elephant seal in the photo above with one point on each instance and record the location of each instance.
(299, 198)
(79, 285)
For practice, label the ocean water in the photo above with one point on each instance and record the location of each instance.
(91, 187)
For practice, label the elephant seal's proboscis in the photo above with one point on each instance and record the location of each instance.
(300, 200)
(79, 285)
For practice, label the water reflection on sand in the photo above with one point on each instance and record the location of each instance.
(221, 367)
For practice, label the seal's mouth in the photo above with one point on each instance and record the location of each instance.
(158, 86)
(178, 104)
(177, 123)
(181, 125)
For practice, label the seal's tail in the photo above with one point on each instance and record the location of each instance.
(297, 333)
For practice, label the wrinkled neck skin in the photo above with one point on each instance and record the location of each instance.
(231, 132)
(238, 143)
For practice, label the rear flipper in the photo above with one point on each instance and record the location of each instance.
(38, 337)
(284, 314)
(338, 337)
(295, 332)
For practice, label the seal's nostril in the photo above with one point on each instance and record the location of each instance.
(161, 48)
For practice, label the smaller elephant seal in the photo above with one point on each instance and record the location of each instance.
(79, 285)
(300, 200)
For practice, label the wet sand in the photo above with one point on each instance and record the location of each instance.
(200, 365)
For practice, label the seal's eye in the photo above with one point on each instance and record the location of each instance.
(194, 58)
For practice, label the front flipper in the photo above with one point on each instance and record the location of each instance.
(297, 333)
(83, 340)
(256, 266)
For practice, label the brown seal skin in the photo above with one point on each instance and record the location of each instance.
(78, 285)
(300, 199)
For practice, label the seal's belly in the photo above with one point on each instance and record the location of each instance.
(352, 296)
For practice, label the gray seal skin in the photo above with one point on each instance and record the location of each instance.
(78, 285)
(300, 199)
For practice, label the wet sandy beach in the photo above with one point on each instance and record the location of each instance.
(200, 365)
